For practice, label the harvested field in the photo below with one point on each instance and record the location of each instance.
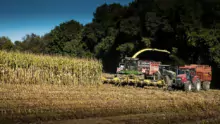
(45, 102)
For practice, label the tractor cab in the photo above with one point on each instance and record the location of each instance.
(183, 74)
(186, 72)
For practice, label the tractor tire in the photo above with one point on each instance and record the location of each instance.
(206, 85)
(187, 86)
(197, 85)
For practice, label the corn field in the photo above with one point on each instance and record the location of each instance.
(24, 68)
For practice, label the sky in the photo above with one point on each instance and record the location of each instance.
(21, 17)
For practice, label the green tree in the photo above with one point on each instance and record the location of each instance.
(6, 44)
(31, 43)
(66, 39)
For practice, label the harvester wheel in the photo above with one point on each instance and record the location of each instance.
(206, 85)
(187, 86)
(197, 85)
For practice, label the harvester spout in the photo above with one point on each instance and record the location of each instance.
(149, 49)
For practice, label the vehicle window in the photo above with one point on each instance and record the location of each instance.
(182, 72)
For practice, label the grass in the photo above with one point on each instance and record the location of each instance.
(43, 102)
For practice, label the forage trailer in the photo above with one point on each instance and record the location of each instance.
(193, 77)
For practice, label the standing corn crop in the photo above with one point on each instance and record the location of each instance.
(37, 69)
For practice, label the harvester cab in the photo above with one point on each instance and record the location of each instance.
(128, 66)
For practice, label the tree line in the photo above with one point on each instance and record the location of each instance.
(190, 29)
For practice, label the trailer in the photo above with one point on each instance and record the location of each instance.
(193, 76)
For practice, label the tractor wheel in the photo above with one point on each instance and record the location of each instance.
(206, 85)
(197, 85)
(187, 86)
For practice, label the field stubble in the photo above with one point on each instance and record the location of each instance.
(48, 102)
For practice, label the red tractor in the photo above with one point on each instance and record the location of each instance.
(195, 77)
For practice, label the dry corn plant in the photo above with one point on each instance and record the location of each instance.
(27, 68)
